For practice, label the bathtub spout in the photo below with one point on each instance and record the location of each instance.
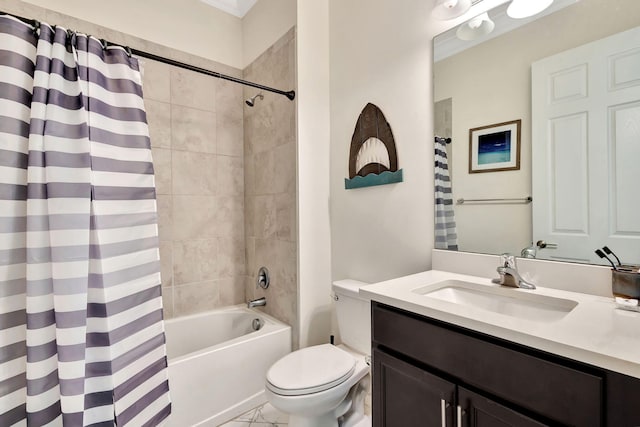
(257, 302)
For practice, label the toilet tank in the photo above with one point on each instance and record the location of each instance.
(354, 315)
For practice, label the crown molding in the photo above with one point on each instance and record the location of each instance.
(237, 8)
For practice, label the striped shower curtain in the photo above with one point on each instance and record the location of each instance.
(446, 237)
(81, 333)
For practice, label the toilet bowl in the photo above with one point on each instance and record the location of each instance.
(312, 386)
(326, 385)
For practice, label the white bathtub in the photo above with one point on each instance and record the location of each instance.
(218, 363)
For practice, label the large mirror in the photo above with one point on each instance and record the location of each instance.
(571, 77)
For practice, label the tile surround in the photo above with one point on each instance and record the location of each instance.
(204, 171)
(157, 82)
(231, 206)
(194, 173)
(162, 169)
(166, 264)
(270, 182)
(286, 216)
(195, 297)
(264, 220)
(194, 217)
(228, 131)
(159, 119)
(164, 203)
(194, 90)
(193, 129)
(194, 260)
(230, 177)
(200, 187)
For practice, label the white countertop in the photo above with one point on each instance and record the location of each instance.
(594, 332)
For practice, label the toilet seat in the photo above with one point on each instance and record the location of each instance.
(310, 370)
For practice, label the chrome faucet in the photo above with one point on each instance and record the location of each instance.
(509, 275)
(257, 302)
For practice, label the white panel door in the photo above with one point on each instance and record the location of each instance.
(586, 150)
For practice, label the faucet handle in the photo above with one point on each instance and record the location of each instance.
(508, 260)
(263, 278)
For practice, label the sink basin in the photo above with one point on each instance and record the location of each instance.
(501, 300)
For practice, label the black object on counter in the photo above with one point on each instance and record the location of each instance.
(610, 252)
(602, 255)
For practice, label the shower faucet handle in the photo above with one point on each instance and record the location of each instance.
(263, 278)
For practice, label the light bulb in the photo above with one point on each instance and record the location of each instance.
(476, 27)
(450, 4)
(450, 9)
(525, 8)
(477, 21)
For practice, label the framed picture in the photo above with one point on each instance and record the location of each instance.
(495, 148)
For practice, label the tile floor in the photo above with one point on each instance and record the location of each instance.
(263, 416)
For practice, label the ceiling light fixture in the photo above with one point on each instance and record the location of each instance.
(476, 27)
(450, 9)
(525, 8)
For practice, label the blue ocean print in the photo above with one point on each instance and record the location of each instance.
(494, 147)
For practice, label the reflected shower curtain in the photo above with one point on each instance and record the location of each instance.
(445, 227)
(81, 332)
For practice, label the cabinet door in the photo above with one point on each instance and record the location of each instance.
(406, 396)
(565, 394)
(478, 411)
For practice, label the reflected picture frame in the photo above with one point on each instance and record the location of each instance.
(495, 148)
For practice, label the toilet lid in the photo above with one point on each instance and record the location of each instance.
(310, 370)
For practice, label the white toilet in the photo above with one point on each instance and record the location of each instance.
(326, 385)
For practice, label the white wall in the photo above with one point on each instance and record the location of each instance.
(381, 53)
(265, 23)
(314, 254)
(194, 28)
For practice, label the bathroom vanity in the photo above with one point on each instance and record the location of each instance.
(535, 358)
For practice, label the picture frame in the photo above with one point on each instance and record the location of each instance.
(495, 147)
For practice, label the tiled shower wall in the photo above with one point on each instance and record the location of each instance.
(270, 181)
(196, 128)
(201, 139)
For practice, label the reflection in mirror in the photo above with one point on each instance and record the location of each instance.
(580, 139)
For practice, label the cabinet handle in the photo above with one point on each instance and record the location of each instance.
(459, 417)
(443, 412)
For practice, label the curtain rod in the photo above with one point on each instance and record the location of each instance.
(289, 94)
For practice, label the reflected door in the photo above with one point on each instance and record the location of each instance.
(586, 150)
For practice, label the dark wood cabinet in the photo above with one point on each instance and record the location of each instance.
(479, 411)
(408, 396)
(426, 372)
